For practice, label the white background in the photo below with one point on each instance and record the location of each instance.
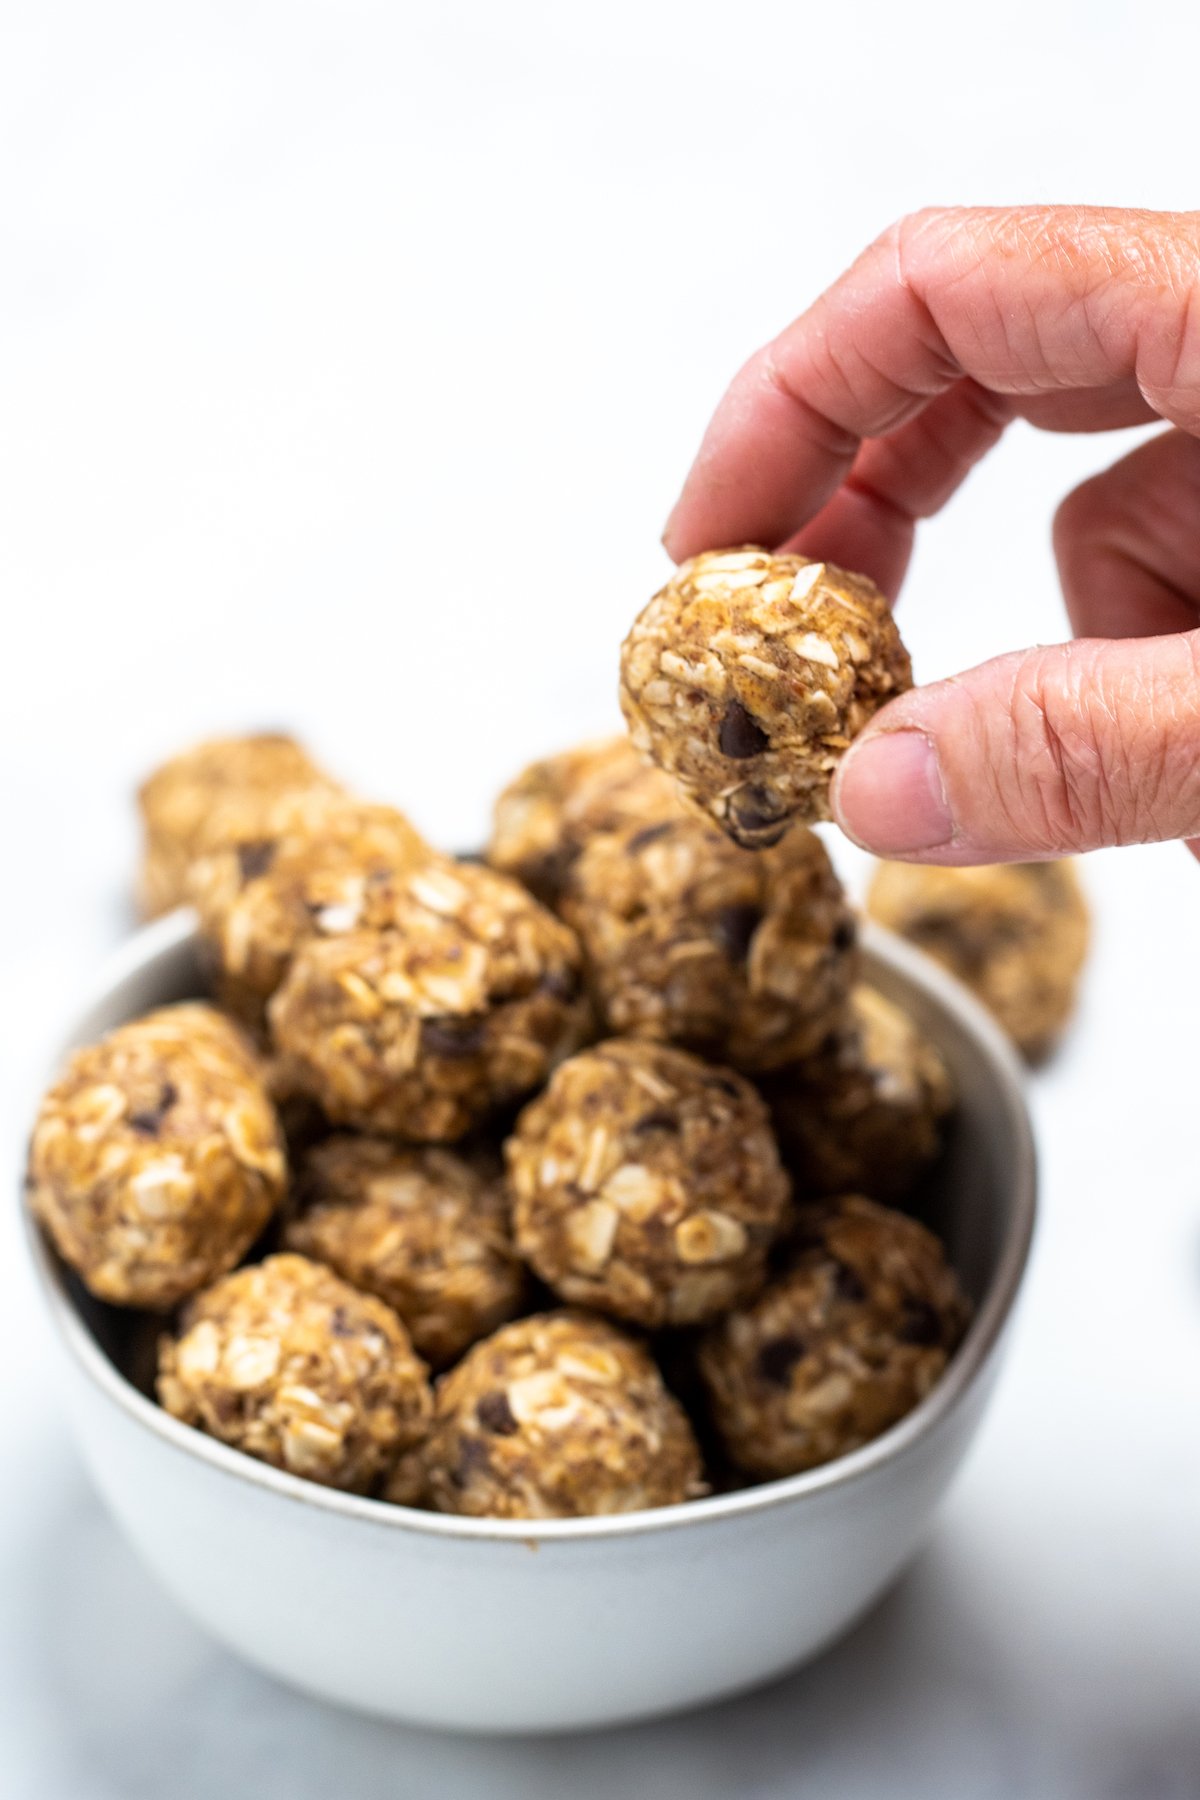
(350, 356)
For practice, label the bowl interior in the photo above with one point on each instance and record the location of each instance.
(980, 1199)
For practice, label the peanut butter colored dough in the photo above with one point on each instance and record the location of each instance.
(647, 1184)
(211, 795)
(747, 676)
(425, 1229)
(157, 1159)
(864, 1114)
(544, 818)
(555, 1417)
(460, 1005)
(289, 1363)
(318, 865)
(839, 1347)
(741, 956)
(1015, 933)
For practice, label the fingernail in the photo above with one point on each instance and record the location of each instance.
(889, 796)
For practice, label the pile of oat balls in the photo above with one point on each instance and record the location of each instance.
(581, 1179)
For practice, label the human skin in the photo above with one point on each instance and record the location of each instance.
(867, 412)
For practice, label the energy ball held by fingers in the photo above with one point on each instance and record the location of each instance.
(647, 1184)
(460, 1004)
(745, 957)
(317, 865)
(748, 675)
(425, 1229)
(557, 1416)
(544, 818)
(840, 1346)
(158, 1158)
(865, 1113)
(211, 795)
(1016, 934)
(290, 1364)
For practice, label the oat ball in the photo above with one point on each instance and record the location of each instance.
(157, 1159)
(460, 1005)
(865, 1114)
(743, 956)
(747, 676)
(1015, 933)
(556, 1417)
(424, 1228)
(543, 819)
(318, 865)
(837, 1348)
(647, 1184)
(208, 796)
(289, 1363)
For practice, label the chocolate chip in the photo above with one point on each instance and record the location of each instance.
(734, 928)
(724, 1085)
(740, 735)
(149, 1121)
(453, 1036)
(650, 834)
(471, 1456)
(495, 1414)
(778, 1358)
(560, 984)
(662, 1120)
(753, 810)
(255, 858)
(843, 937)
(339, 1323)
(921, 1324)
(848, 1284)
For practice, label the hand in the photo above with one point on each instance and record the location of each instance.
(866, 414)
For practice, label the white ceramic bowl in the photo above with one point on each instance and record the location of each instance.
(525, 1626)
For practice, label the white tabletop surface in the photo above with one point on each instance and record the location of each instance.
(348, 362)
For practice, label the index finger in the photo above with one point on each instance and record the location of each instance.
(1027, 302)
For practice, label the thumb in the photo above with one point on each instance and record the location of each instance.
(1033, 755)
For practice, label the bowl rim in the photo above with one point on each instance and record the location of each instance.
(170, 934)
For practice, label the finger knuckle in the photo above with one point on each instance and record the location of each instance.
(1060, 787)
(1099, 756)
(1076, 512)
(1080, 519)
(916, 237)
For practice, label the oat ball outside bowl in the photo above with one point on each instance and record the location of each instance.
(157, 1158)
(210, 795)
(424, 1026)
(866, 1113)
(425, 1229)
(647, 1184)
(746, 957)
(288, 1363)
(558, 1416)
(837, 1348)
(315, 865)
(748, 675)
(544, 817)
(1016, 934)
